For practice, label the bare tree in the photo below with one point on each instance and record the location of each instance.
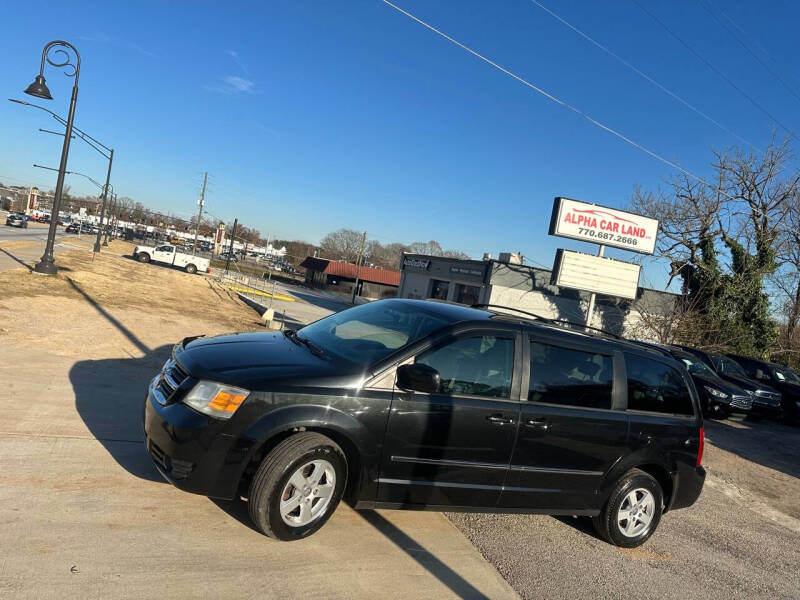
(342, 244)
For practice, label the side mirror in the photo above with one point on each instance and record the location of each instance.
(418, 378)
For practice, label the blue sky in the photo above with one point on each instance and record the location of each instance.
(316, 115)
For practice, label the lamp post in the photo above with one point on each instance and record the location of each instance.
(38, 88)
(94, 144)
(110, 213)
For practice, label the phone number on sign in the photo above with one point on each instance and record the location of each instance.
(610, 237)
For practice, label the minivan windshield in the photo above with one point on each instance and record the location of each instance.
(729, 366)
(367, 333)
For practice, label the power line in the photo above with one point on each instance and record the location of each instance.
(713, 68)
(556, 100)
(643, 75)
(760, 46)
(746, 47)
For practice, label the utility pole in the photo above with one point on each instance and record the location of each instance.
(230, 249)
(105, 200)
(110, 213)
(269, 257)
(358, 265)
(200, 213)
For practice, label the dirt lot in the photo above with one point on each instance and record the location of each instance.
(51, 313)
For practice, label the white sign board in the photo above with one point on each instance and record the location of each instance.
(595, 274)
(603, 225)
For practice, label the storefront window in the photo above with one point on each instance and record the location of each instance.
(439, 289)
(467, 294)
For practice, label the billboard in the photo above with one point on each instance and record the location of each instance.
(602, 225)
(595, 274)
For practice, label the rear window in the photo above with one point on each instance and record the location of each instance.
(656, 387)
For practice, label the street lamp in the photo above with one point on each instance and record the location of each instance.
(93, 143)
(38, 88)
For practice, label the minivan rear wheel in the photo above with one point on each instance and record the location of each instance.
(297, 486)
(632, 512)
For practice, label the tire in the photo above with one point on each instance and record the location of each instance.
(191, 269)
(143, 257)
(272, 483)
(608, 523)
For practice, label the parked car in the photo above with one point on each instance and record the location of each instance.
(169, 254)
(718, 397)
(79, 227)
(778, 377)
(228, 255)
(17, 220)
(766, 399)
(427, 405)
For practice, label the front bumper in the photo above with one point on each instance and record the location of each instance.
(768, 406)
(191, 450)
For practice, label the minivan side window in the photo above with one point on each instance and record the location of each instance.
(656, 387)
(570, 377)
(480, 365)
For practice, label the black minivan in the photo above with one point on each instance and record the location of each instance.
(414, 404)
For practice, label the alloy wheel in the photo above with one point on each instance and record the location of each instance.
(636, 512)
(307, 494)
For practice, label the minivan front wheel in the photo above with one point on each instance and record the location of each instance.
(632, 512)
(298, 486)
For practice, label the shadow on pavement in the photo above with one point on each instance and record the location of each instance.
(767, 443)
(16, 258)
(318, 299)
(459, 586)
(110, 395)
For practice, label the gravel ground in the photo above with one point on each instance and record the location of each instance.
(740, 540)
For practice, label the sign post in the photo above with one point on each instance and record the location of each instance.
(593, 295)
(606, 227)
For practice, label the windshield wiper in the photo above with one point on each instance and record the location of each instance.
(313, 348)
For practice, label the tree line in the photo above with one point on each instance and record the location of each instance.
(345, 244)
(733, 243)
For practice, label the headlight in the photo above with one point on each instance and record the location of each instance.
(715, 392)
(215, 399)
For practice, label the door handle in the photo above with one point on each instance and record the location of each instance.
(499, 420)
(538, 424)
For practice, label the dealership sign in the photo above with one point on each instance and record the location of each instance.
(416, 263)
(595, 274)
(603, 225)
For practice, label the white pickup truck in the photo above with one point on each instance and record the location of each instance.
(168, 254)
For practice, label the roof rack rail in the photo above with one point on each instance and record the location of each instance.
(551, 321)
(524, 312)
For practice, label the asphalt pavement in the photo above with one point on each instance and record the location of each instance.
(25, 246)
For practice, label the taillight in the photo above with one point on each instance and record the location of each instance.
(700, 448)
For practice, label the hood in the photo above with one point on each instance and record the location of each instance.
(748, 384)
(719, 383)
(253, 360)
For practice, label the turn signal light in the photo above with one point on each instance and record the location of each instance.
(226, 401)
